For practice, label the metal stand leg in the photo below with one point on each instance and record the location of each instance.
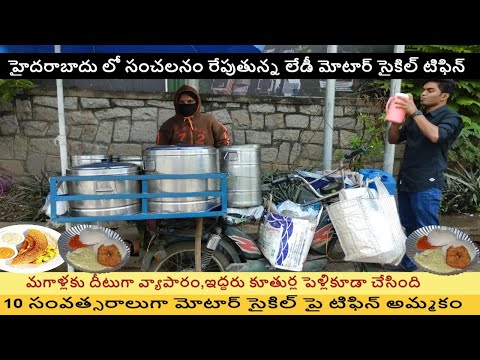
(198, 244)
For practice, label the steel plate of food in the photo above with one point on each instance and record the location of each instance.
(442, 250)
(93, 248)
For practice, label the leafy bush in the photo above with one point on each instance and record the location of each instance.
(281, 192)
(373, 137)
(9, 88)
(462, 193)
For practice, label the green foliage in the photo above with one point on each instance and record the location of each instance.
(443, 48)
(280, 192)
(462, 193)
(9, 88)
(303, 49)
(373, 137)
(283, 191)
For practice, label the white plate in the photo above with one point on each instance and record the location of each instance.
(64, 248)
(412, 249)
(32, 268)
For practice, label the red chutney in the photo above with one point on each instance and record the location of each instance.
(75, 243)
(423, 244)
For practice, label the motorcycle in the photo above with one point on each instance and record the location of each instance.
(229, 242)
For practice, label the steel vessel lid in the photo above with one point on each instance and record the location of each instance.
(90, 156)
(243, 147)
(181, 149)
(122, 158)
(104, 168)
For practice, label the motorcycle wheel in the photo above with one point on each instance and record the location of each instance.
(181, 257)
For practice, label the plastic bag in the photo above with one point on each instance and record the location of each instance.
(62, 206)
(369, 228)
(285, 241)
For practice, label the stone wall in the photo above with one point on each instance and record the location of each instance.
(289, 130)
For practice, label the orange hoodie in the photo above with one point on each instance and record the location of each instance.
(198, 129)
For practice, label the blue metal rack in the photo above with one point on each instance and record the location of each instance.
(144, 195)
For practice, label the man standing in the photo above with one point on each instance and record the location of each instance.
(428, 138)
(189, 126)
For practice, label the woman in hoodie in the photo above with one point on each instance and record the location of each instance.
(189, 126)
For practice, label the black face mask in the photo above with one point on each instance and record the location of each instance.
(187, 109)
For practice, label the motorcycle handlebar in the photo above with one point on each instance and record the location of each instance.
(354, 153)
(280, 181)
(292, 177)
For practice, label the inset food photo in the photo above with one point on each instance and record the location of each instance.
(93, 248)
(34, 247)
(442, 250)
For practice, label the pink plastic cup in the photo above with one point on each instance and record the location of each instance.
(394, 114)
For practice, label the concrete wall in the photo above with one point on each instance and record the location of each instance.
(289, 130)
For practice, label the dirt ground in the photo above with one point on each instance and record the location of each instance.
(22, 203)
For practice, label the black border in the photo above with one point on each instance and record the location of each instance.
(242, 24)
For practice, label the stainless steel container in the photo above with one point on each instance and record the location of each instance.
(182, 159)
(244, 180)
(77, 160)
(104, 207)
(137, 160)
